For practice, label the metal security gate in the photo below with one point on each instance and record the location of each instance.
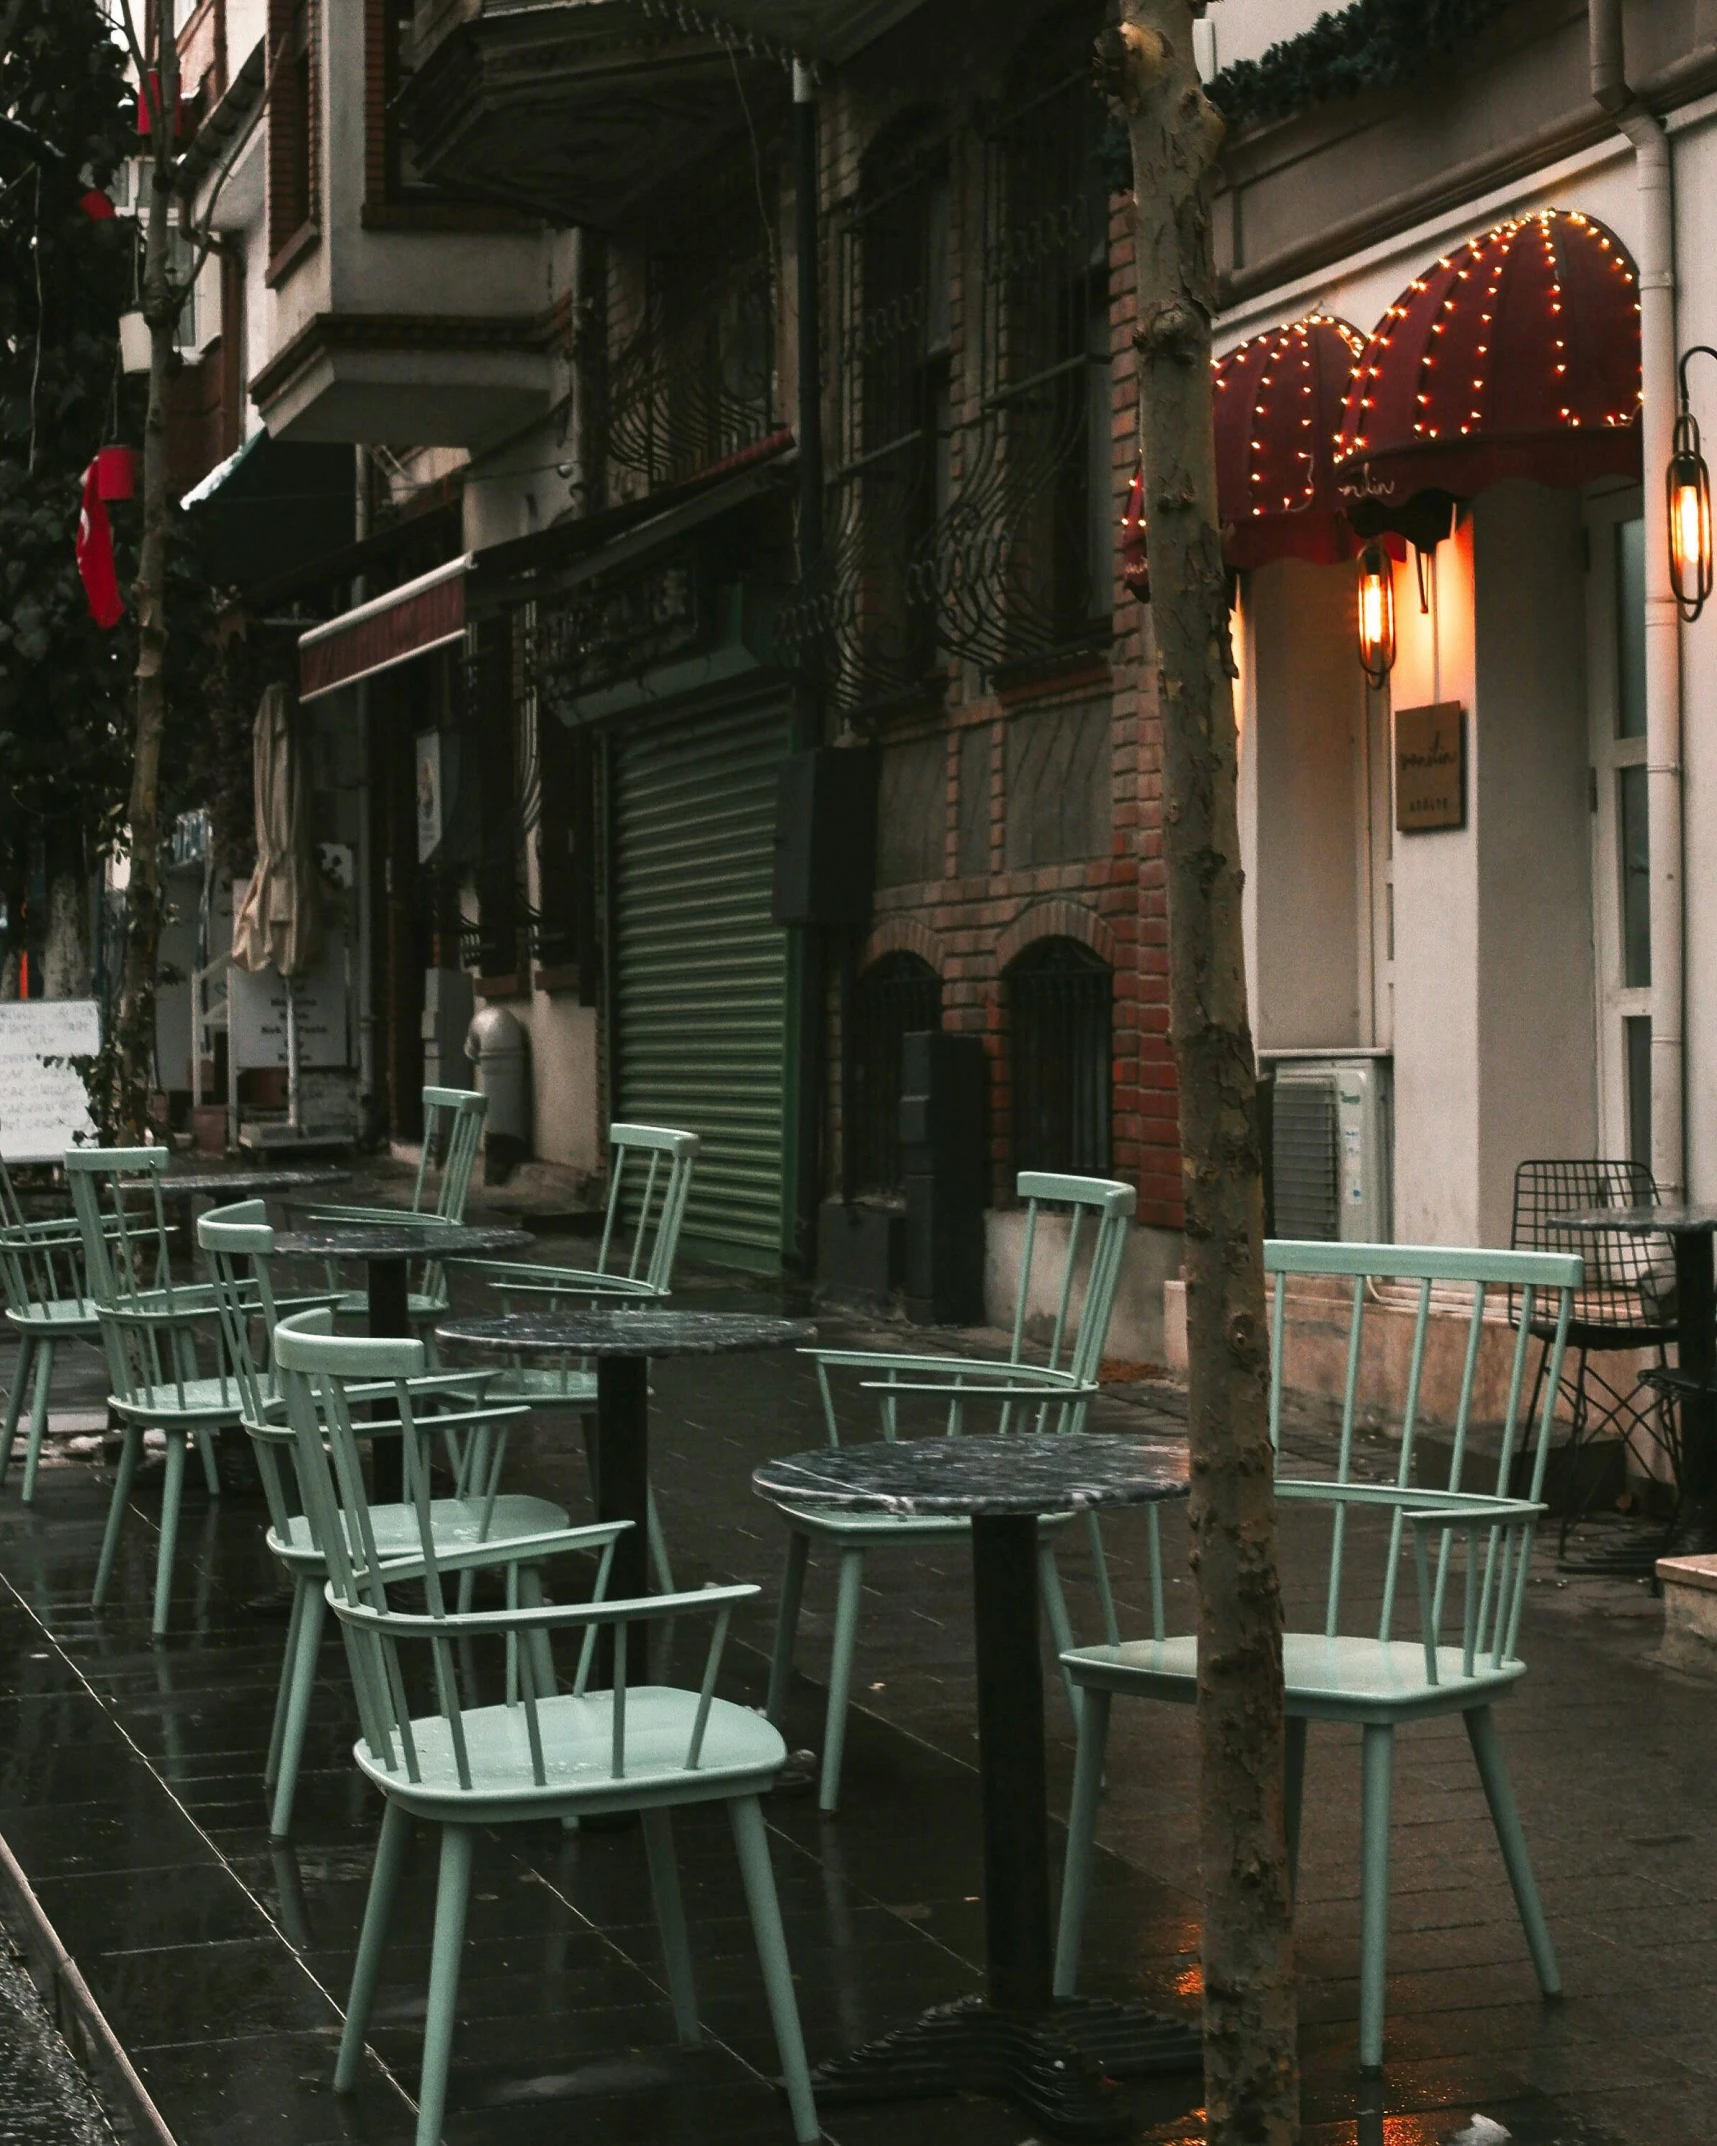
(700, 971)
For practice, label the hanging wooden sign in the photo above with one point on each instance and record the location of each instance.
(1430, 767)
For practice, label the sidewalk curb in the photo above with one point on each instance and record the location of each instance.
(80, 2020)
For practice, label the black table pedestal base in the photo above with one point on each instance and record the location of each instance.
(1059, 2065)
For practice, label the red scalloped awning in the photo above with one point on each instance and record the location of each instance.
(1516, 355)
(1279, 401)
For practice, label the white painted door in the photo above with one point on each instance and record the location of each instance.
(1621, 886)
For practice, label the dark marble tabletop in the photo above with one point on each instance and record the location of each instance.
(404, 1239)
(1675, 1221)
(1039, 1473)
(627, 1333)
(246, 1184)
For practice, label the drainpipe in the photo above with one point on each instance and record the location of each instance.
(1652, 177)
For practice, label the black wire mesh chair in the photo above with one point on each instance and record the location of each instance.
(1626, 1305)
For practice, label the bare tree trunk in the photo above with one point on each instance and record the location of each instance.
(161, 304)
(1250, 2057)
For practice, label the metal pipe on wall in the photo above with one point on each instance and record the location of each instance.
(1654, 181)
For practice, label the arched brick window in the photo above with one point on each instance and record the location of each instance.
(1060, 1006)
(891, 998)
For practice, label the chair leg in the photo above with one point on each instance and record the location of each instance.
(1294, 1791)
(283, 1690)
(304, 1659)
(759, 1875)
(1379, 1774)
(1093, 1721)
(172, 1497)
(131, 1447)
(372, 1943)
(15, 1399)
(787, 1624)
(452, 1896)
(38, 1422)
(658, 1546)
(1060, 1623)
(1511, 1839)
(840, 1678)
(671, 1921)
(211, 1467)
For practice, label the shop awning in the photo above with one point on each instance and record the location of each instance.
(1279, 402)
(408, 621)
(270, 507)
(1516, 355)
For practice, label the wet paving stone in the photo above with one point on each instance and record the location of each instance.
(130, 1791)
(45, 2100)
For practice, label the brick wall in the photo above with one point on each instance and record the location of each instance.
(970, 924)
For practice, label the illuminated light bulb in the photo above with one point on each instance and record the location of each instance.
(1376, 615)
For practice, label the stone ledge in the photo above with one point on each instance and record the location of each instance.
(1689, 1612)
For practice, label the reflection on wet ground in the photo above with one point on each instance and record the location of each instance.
(130, 1791)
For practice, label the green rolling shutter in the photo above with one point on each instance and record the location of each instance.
(700, 971)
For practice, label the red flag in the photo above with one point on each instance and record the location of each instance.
(95, 556)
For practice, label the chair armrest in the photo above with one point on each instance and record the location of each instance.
(1066, 1388)
(381, 1217)
(1458, 1506)
(572, 1282)
(945, 1368)
(539, 1617)
(515, 1550)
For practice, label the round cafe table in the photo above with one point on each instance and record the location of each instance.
(246, 1184)
(386, 1250)
(1056, 2057)
(622, 1344)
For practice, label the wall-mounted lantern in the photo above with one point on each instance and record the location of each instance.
(1376, 614)
(1689, 486)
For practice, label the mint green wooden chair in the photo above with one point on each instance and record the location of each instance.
(452, 1128)
(1097, 1210)
(649, 1181)
(454, 1406)
(1370, 1675)
(166, 1366)
(540, 1753)
(48, 1304)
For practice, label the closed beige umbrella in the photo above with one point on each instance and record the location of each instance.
(279, 922)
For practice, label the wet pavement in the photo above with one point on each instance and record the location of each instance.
(130, 1792)
(44, 2099)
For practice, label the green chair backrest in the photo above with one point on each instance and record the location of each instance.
(230, 1237)
(1455, 1281)
(318, 1371)
(1097, 1209)
(452, 1126)
(649, 1180)
(149, 1322)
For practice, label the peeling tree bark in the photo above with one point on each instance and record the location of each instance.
(1251, 2070)
(134, 1057)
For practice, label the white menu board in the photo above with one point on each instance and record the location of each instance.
(44, 1106)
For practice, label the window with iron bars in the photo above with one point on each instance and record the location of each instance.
(889, 489)
(891, 999)
(694, 380)
(1026, 561)
(1060, 1007)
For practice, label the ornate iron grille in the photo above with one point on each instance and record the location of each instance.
(1060, 1004)
(1023, 556)
(892, 998)
(695, 382)
(890, 485)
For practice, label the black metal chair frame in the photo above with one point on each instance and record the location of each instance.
(1625, 1305)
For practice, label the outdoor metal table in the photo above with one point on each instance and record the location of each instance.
(1055, 2056)
(245, 1184)
(387, 1250)
(1690, 1231)
(623, 1342)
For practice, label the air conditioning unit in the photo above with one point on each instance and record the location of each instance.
(1330, 1144)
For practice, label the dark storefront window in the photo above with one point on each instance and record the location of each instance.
(1060, 1006)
